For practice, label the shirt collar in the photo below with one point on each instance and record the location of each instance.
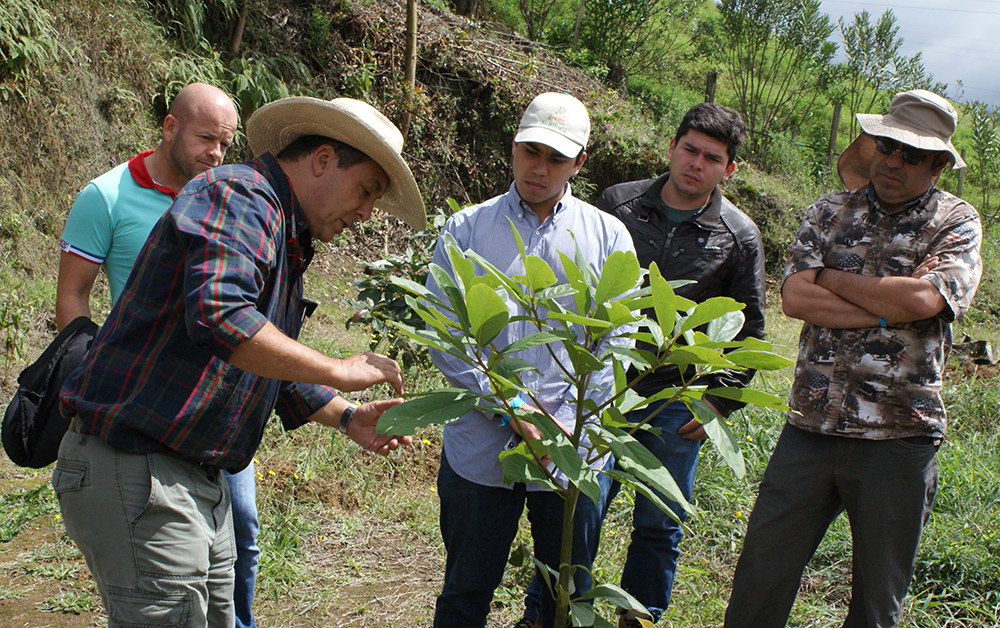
(909, 206)
(297, 237)
(137, 168)
(520, 209)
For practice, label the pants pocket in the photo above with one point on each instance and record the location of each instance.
(70, 475)
(132, 608)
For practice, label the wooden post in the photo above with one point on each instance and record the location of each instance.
(961, 177)
(833, 135)
(410, 63)
(710, 86)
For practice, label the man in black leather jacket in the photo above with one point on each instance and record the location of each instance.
(682, 222)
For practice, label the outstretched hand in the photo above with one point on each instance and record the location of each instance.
(362, 427)
(367, 369)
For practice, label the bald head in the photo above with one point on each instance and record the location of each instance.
(197, 131)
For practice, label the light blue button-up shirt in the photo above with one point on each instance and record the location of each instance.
(473, 442)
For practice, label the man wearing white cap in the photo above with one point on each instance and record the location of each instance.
(479, 512)
(200, 349)
(877, 274)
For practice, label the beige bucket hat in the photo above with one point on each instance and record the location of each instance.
(918, 118)
(275, 125)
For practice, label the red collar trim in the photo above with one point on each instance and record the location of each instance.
(137, 168)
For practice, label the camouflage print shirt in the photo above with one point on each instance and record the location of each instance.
(881, 383)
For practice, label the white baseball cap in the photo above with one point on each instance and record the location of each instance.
(556, 120)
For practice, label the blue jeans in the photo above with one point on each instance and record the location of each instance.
(243, 492)
(478, 525)
(887, 488)
(651, 563)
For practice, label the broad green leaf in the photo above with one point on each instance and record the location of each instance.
(538, 272)
(507, 367)
(614, 594)
(762, 360)
(463, 270)
(488, 314)
(664, 302)
(533, 340)
(709, 310)
(751, 396)
(513, 289)
(619, 315)
(721, 435)
(453, 294)
(639, 463)
(698, 355)
(566, 457)
(444, 332)
(618, 275)
(517, 238)
(434, 340)
(625, 355)
(580, 320)
(583, 360)
(518, 466)
(575, 277)
(417, 289)
(640, 488)
(439, 406)
(557, 291)
(726, 326)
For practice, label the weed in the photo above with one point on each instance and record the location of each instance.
(21, 506)
(75, 603)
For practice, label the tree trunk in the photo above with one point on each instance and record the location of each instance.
(241, 21)
(576, 28)
(410, 59)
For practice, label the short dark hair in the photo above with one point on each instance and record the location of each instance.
(717, 121)
(347, 155)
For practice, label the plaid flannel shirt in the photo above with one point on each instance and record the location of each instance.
(225, 259)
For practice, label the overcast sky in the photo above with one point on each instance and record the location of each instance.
(958, 38)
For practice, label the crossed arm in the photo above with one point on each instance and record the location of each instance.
(841, 300)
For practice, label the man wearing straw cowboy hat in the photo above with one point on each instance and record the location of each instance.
(877, 274)
(200, 348)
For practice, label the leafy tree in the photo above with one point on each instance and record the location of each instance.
(985, 161)
(536, 15)
(578, 322)
(871, 50)
(778, 59)
(632, 36)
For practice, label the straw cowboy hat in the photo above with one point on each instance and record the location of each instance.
(918, 118)
(275, 125)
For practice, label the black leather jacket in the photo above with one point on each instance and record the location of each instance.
(721, 250)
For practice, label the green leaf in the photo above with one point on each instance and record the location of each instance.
(539, 273)
(726, 326)
(619, 315)
(664, 302)
(557, 291)
(625, 355)
(709, 310)
(762, 360)
(462, 269)
(721, 435)
(698, 355)
(434, 339)
(619, 274)
(750, 396)
(506, 367)
(439, 406)
(453, 294)
(638, 463)
(417, 289)
(518, 466)
(576, 278)
(583, 360)
(488, 313)
(580, 320)
(533, 340)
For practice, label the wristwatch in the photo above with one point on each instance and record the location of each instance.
(345, 418)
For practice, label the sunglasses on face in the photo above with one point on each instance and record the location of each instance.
(909, 155)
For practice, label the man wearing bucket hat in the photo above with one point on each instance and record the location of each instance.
(877, 274)
(200, 349)
(479, 511)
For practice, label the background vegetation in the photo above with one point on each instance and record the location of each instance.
(350, 539)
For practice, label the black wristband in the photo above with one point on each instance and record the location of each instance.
(345, 418)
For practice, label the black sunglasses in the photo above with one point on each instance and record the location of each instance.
(908, 154)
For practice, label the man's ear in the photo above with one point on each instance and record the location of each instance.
(323, 158)
(730, 169)
(170, 127)
(582, 157)
(939, 168)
